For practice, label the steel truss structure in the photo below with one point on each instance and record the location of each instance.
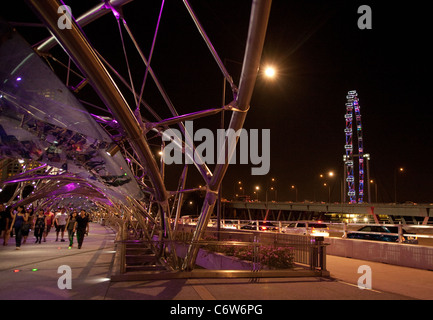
(116, 164)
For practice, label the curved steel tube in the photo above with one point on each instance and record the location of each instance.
(256, 37)
(88, 17)
(86, 59)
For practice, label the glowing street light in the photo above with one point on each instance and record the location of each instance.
(397, 170)
(293, 187)
(372, 182)
(270, 72)
(257, 192)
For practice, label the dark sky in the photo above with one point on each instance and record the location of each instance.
(320, 54)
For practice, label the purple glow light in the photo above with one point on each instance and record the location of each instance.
(19, 79)
(71, 186)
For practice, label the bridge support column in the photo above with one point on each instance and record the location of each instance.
(425, 221)
(376, 219)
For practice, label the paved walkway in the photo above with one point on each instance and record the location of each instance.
(33, 273)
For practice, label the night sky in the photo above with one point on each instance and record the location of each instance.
(320, 54)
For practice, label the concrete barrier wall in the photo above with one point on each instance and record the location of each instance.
(405, 255)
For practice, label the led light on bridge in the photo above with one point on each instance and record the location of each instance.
(112, 149)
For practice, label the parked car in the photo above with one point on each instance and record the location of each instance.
(229, 224)
(212, 223)
(382, 233)
(316, 229)
(263, 226)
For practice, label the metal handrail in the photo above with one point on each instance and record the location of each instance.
(308, 251)
(280, 224)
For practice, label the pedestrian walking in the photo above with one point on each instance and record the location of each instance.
(40, 225)
(17, 223)
(81, 227)
(70, 224)
(48, 223)
(5, 219)
(25, 229)
(60, 223)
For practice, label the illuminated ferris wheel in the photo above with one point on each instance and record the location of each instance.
(353, 111)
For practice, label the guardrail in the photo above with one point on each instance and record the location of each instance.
(235, 253)
(342, 227)
(306, 251)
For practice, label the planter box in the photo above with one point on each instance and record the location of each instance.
(214, 260)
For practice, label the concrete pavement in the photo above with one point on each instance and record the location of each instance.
(33, 273)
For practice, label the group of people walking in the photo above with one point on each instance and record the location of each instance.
(22, 221)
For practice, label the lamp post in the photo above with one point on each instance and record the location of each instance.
(272, 188)
(396, 171)
(330, 174)
(329, 191)
(367, 157)
(241, 188)
(293, 187)
(270, 73)
(375, 188)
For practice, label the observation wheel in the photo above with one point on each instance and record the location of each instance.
(353, 117)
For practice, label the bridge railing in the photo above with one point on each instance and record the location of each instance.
(339, 229)
(272, 250)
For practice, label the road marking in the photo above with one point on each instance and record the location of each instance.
(356, 286)
(201, 290)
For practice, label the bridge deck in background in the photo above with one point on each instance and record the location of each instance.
(422, 211)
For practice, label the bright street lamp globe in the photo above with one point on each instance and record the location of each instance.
(270, 72)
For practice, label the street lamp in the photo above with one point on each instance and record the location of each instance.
(367, 157)
(270, 72)
(397, 170)
(239, 188)
(329, 191)
(330, 174)
(375, 188)
(257, 192)
(296, 192)
(272, 188)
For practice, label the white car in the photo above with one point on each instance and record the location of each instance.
(229, 224)
(315, 229)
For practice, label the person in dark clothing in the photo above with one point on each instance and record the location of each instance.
(81, 227)
(40, 225)
(70, 224)
(25, 228)
(17, 223)
(5, 219)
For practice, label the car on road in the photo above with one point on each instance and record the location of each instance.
(382, 233)
(316, 229)
(229, 224)
(262, 226)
